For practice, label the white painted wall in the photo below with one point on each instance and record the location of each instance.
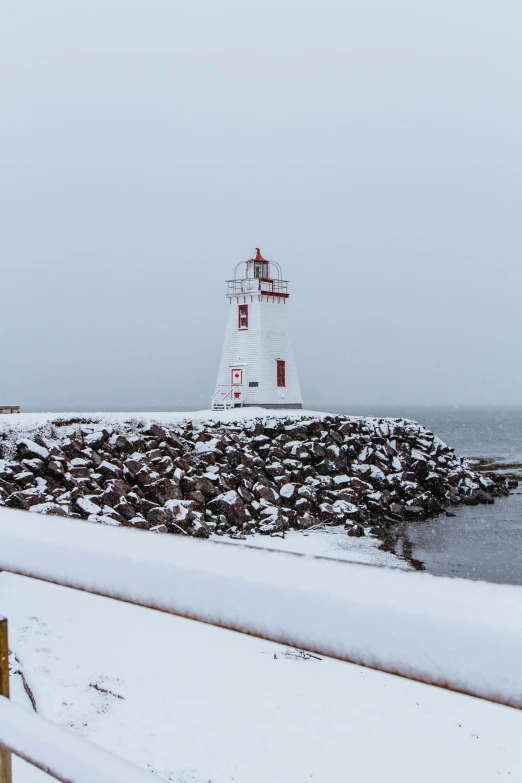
(258, 348)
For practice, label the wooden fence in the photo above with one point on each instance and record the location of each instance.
(461, 635)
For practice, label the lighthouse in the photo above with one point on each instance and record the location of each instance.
(257, 363)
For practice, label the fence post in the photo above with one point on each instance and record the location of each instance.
(5, 755)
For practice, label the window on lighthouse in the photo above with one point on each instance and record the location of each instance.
(281, 373)
(243, 317)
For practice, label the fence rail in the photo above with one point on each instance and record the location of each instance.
(461, 635)
(60, 753)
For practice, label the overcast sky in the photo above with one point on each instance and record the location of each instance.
(372, 148)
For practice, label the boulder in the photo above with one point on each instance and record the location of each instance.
(7, 486)
(271, 520)
(114, 490)
(397, 510)
(158, 516)
(96, 438)
(205, 486)
(18, 500)
(126, 509)
(303, 505)
(198, 499)
(256, 476)
(231, 505)
(158, 529)
(109, 470)
(268, 494)
(180, 514)
(162, 490)
(132, 465)
(29, 449)
(35, 465)
(305, 521)
(139, 523)
(79, 471)
(85, 507)
(199, 529)
(114, 515)
(288, 492)
(155, 431)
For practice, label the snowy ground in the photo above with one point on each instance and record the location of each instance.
(328, 542)
(31, 421)
(196, 703)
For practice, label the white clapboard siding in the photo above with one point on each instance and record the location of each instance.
(257, 350)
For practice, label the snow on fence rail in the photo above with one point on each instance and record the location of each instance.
(62, 754)
(461, 635)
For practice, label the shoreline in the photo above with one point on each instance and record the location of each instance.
(238, 472)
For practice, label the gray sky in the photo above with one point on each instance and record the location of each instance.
(371, 147)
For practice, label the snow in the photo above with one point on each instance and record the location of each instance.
(229, 497)
(94, 437)
(29, 422)
(204, 447)
(331, 542)
(60, 752)
(32, 421)
(45, 508)
(287, 490)
(195, 703)
(341, 481)
(103, 520)
(460, 634)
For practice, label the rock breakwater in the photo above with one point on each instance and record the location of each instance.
(258, 474)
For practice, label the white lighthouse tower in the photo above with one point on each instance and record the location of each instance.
(257, 363)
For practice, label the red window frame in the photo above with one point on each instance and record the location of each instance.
(242, 308)
(281, 373)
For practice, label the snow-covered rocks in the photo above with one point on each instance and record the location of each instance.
(265, 474)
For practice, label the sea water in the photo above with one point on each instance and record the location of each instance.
(480, 542)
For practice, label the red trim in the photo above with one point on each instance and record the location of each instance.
(261, 295)
(281, 373)
(239, 309)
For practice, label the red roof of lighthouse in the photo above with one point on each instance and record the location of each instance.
(258, 256)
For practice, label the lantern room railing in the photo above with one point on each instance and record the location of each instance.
(255, 284)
